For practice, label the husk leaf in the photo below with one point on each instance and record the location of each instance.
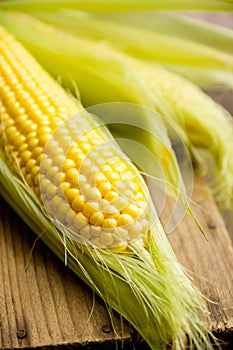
(177, 24)
(185, 56)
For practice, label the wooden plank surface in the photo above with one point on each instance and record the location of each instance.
(210, 260)
(43, 304)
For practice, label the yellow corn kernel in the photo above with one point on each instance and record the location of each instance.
(68, 164)
(105, 187)
(90, 208)
(109, 223)
(72, 176)
(114, 177)
(92, 194)
(29, 180)
(71, 194)
(36, 152)
(35, 171)
(110, 211)
(63, 188)
(30, 164)
(78, 203)
(124, 220)
(97, 218)
(121, 203)
(37, 179)
(111, 196)
(132, 210)
(25, 156)
(22, 148)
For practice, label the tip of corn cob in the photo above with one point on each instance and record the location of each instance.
(91, 187)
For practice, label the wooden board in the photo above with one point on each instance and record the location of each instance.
(43, 304)
(210, 260)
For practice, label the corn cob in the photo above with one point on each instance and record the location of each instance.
(70, 171)
(37, 156)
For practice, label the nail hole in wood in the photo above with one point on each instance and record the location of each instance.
(211, 225)
(21, 334)
(106, 328)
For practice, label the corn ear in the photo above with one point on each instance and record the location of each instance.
(202, 124)
(134, 90)
(146, 284)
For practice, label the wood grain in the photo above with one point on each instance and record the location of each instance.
(43, 298)
(210, 259)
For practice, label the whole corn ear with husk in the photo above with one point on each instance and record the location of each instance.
(67, 178)
(203, 125)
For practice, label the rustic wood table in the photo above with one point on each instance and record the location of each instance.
(44, 305)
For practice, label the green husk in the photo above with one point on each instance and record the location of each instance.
(202, 124)
(178, 25)
(207, 78)
(185, 57)
(118, 5)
